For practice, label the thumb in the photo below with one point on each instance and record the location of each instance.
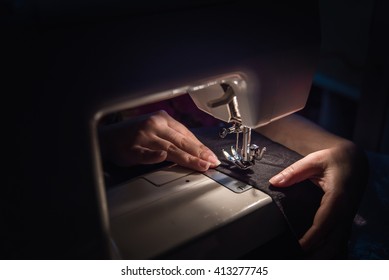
(301, 170)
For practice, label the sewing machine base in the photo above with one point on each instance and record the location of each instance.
(175, 212)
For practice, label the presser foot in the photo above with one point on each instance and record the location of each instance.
(253, 154)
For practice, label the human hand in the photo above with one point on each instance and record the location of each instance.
(153, 139)
(341, 172)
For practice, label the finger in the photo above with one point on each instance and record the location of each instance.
(179, 127)
(179, 156)
(176, 133)
(186, 133)
(305, 168)
(187, 160)
(190, 145)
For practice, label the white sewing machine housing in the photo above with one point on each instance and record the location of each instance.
(248, 98)
(248, 101)
(177, 213)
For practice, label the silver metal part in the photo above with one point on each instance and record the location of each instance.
(246, 143)
(245, 156)
(227, 181)
(228, 99)
(224, 100)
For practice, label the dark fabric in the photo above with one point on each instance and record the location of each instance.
(298, 203)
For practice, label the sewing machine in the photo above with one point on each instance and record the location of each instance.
(177, 212)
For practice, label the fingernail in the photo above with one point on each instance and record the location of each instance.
(279, 178)
(213, 159)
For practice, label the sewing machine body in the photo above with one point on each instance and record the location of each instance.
(178, 213)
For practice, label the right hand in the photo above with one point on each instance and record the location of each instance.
(341, 173)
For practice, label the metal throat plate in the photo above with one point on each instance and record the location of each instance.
(227, 181)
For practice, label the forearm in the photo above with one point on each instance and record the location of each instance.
(301, 135)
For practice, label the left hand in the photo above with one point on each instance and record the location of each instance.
(152, 139)
(341, 172)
